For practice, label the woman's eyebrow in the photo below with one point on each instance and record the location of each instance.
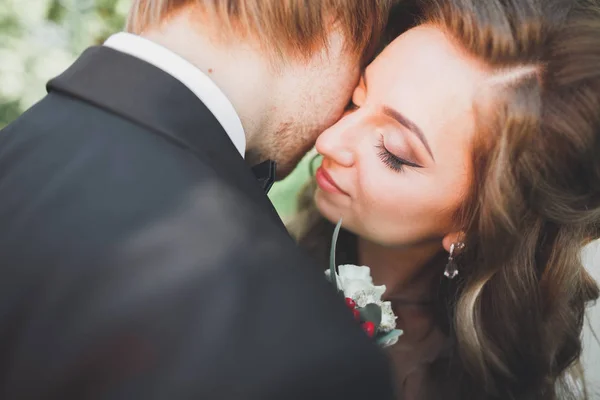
(410, 125)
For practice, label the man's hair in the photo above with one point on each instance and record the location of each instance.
(293, 28)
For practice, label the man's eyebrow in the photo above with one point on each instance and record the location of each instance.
(411, 126)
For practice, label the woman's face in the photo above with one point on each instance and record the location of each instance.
(396, 167)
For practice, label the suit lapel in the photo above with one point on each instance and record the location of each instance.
(146, 95)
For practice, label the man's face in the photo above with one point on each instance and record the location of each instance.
(312, 97)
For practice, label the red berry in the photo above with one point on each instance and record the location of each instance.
(350, 303)
(369, 328)
(356, 314)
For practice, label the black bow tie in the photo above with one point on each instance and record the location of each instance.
(265, 174)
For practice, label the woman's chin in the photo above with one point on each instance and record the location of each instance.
(327, 208)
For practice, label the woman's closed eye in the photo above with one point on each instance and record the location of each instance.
(392, 161)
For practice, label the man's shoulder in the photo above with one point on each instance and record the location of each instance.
(74, 173)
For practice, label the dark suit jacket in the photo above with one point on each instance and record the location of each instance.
(140, 258)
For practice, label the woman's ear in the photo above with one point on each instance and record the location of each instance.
(453, 238)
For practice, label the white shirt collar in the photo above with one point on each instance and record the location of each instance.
(195, 80)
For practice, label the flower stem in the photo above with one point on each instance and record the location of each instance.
(332, 266)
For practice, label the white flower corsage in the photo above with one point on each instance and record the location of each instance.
(363, 298)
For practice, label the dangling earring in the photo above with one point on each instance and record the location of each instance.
(451, 270)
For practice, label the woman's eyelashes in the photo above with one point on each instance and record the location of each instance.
(392, 161)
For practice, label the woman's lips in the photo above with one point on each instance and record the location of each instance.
(326, 183)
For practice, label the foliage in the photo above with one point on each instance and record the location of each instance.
(40, 38)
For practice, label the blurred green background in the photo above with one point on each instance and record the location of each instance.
(41, 38)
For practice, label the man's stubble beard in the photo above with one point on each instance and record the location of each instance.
(287, 147)
(291, 145)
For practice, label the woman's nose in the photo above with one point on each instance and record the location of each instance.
(336, 143)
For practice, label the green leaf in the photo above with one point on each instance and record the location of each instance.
(332, 266)
(56, 12)
(385, 337)
(371, 312)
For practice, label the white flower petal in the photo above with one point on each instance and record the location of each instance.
(351, 271)
(379, 291)
(354, 286)
(388, 319)
(362, 299)
(365, 297)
